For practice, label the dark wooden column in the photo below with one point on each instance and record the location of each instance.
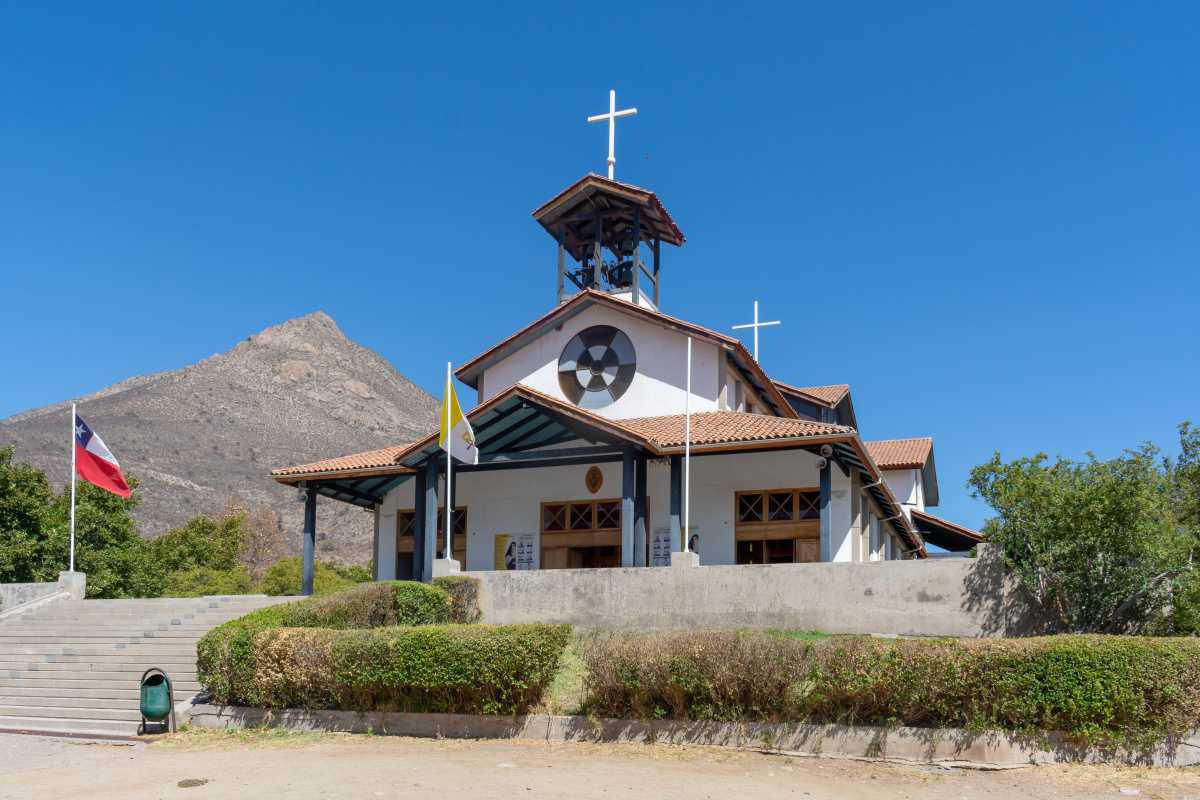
(429, 545)
(310, 541)
(640, 530)
(627, 484)
(562, 269)
(826, 509)
(418, 553)
(676, 503)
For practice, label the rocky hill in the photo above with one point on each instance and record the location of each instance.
(197, 436)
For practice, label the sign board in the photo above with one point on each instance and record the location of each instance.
(514, 551)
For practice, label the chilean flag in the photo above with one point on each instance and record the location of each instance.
(95, 463)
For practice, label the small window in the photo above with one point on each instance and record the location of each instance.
(750, 507)
(608, 515)
(554, 517)
(780, 506)
(404, 523)
(809, 505)
(581, 516)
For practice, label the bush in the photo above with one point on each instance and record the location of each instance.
(283, 577)
(464, 597)
(1095, 689)
(371, 605)
(448, 669)
(200, 581)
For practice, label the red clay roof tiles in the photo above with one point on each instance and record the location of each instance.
(900, 453)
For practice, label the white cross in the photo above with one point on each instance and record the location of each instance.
(611, 116)
(756, 325)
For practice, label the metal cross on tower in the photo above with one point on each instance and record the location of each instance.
(756, 325)
(611, 117)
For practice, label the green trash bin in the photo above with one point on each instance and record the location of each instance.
(157, 700)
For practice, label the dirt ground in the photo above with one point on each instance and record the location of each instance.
(201, 764)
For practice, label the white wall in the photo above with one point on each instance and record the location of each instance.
(509, 501)
(906, 485)
(658, 387)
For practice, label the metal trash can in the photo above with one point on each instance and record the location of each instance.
(157, 699)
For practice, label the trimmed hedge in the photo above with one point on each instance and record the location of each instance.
(371, 605)
(380, 646)
(1095, 689)
(479, 669)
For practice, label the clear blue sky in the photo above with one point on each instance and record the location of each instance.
(985, 219)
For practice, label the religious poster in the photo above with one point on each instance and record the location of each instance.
(660, 547)
(514, 551)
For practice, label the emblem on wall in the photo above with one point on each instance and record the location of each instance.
(594, 479)
(596, 366)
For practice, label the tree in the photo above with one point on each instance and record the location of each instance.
(25, 501)
(107, 545)
(211, 542)
(283, 577)
(1100, 545)
(263, 544)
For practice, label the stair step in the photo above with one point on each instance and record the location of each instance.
(9, 652)
(124, 702)
(102, 692)
(93, 727)
(73, 712)
(80, 672)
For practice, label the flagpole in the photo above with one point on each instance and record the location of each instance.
(687, 449)
(72, 567)
(449, 460)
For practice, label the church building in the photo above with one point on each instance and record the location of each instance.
(594, 431)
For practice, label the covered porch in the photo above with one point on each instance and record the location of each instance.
(560, 487)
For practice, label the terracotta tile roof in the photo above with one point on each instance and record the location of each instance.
(371, 459)
(727, 427)
(900, 453)
(659, 218)
(829, 395)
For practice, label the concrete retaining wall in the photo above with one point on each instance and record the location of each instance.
(942, 746)
(13, 595)
(943, 597)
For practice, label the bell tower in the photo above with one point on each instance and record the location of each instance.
(610, 237)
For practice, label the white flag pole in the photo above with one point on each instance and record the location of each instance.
(687, 449)
(449, 460)
(72, 567)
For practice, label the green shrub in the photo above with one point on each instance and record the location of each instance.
(283, 577)
(464, 597)
(372, 605)
(200, 581)
(449, 668)
(1095, 689)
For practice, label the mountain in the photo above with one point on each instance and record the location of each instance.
(197, 436)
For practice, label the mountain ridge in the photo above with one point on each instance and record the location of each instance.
(209, 431)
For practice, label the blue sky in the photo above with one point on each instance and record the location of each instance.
(983, 218)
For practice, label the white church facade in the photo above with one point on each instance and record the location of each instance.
(596, 444)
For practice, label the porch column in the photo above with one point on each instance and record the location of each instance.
(826, 510)
(628, 479)
(639, 513)
(418, 561)
(310, 540)
(676, 503)
(429, 543)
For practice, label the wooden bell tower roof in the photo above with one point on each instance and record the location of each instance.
(571, 215)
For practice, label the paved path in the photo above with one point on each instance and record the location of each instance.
(332, 766)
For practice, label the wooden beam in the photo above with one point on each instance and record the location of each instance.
(657, 265)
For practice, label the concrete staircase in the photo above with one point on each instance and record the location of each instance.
(73, 666)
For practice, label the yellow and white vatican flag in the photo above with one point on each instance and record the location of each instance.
(456, 436)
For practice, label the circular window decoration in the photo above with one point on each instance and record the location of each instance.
(596, 366)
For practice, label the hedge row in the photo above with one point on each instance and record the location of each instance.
(1095, 689)
(477, 669)
(381, 646)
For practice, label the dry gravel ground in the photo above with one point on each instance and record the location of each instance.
(197, 765)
